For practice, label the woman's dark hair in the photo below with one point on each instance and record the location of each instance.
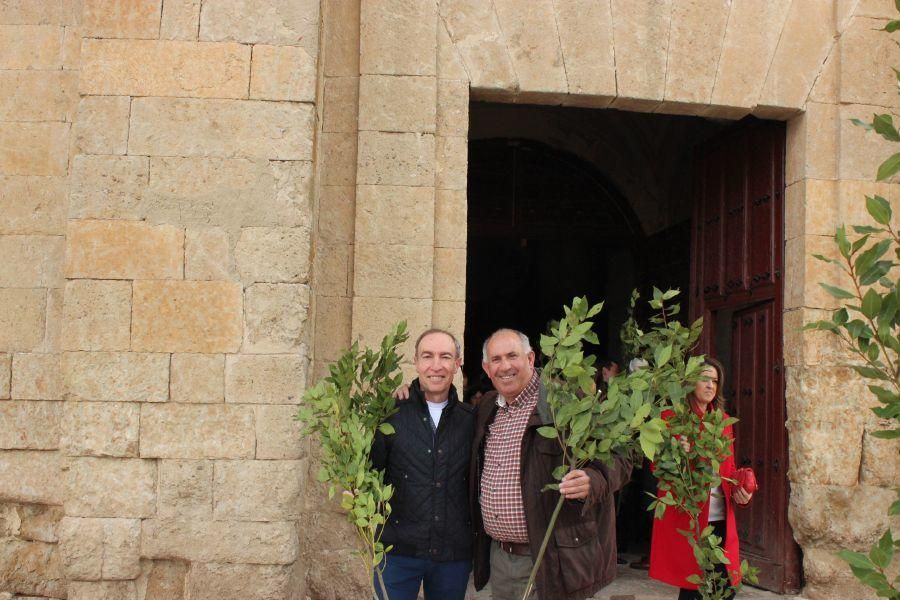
(718, 402)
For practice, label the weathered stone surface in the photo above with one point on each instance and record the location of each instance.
(641, 34)
(108, 187)
(29, 425)
(389, 271)
(71, 47)
(22, 319)
(803, 272)
(383, 22)
(332, 327)
(33, 205)
(31, 261)
(339, 155)
(860, 153)
(5, 375)
(586, 37)
(207, 255)
(30, 47)
(33, 148)
(814, 139)
(101, 429)
(164, 68)
(198, 378)
(450, 222)
(124, 250)
(340, 105)
(452, 108)
(278, 435)
(810, 347)
(827, 576)
(258, 490)
(213, 581)
(264, 379)
(273, 254)
(853, 517)
(879, 459)
(810, 206)
(396, 159)
(102, 590)
(220, 541)
(536, 56)
(116, 376)
(449, 274)
(121, 18)
(162, 579)
(185, 489)
(53, 331)
(476, 34)
(100, 548)
(276, 22)
(382, 211)
(97, 315)
(32, 522)
(823, 392)
(334, 269)
(333, 569)
(283, 73)
(197, 431)
(449, 315)
(101, 125)
(811, 458)
(397, 103)
(111, 487)
(186, 316)
(275, 317)
(340, 31)
(180, 20)
(452, 163)
(31, 476)
(695, 44)
(374, 316)
(224, 128)
(31, 12)
(337, 206)
(31, 569)
(38, 95)
(449, 62)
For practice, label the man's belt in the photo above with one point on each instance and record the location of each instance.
(518, 549)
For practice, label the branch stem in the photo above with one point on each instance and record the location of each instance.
(544, 543)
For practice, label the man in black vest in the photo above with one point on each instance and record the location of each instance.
(426, 459)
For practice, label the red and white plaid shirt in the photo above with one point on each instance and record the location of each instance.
(502, 508)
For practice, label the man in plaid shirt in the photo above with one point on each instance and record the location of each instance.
(510, 465)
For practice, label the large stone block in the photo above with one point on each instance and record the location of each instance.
(382, 211)
(276, 22)
(845, 517)
(186, 489)
(265, 379)
(452, 108)
(879, 459)
(162, 579)
(476, 34)
(38, 95)
(586, 37)
(124, 250)
(339, 156)
(164, 68)
(449, 315)
(220, 541)
(334, 270)
(810, 347)
(283, 73)
(101, 429)
(340, 104)
(340, 44)
(450, 218)
(101, 125)
(198, 378)
(97, 315)
(33, 205)
(32, 569)
(111, 487)
(449, 274)
(278, 435)
(31, 261)
(396, 159)
(197, 431)
(22, 319)
(207, 255)
(121, 18)
(31, 47)
(102, 590)
(389, 271)
(180, 20)
(214, 581)
(273, 254)
(337, 206)
(32, 522)
(374, 317)
(810, 208)
(397, 103)
(860, 152)
(812, 144)
(275, 317)
(449, 62)
(31, 12)
(186, 316)
(452, 170)
(116, 376)
(823, 392)
(695, 44)
(33, 148)
(332, 327)
(258, 490)
(641, 33)
(224, 128)
(383, 23)
(29, 425)
(100, 548)
(825, 452)
(537, 57)
(804, 273)
(108, 187)
(31, 476)
(53, 332)
(5, 375)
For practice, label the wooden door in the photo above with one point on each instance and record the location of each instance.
(736, 285)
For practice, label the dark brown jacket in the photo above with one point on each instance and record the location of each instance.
(581, 557)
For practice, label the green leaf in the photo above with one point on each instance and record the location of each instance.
(855, 559)
(889, 434)
(875, 272)
(879, 208)
(861, 123)
(386, 429)
(662, 354)
(824, 258)
(840, 316)
(884, 126)
(889, 167)
(871, 304)
(840, 236)
(866, 229)
(837, 292)
(892, 26)
(871, 373)
(548, 431)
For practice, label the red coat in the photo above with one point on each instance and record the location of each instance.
(671, 557)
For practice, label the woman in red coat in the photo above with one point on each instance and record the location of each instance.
(671, 557)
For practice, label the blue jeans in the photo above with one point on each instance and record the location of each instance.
(403, 575)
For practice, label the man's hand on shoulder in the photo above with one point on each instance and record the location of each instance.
(402, 392)
(576, 485)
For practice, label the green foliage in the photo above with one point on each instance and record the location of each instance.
(344, 410)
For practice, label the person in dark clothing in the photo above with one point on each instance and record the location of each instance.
(426, 459)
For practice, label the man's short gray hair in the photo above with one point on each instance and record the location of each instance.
(526, 345)
(456, 345)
